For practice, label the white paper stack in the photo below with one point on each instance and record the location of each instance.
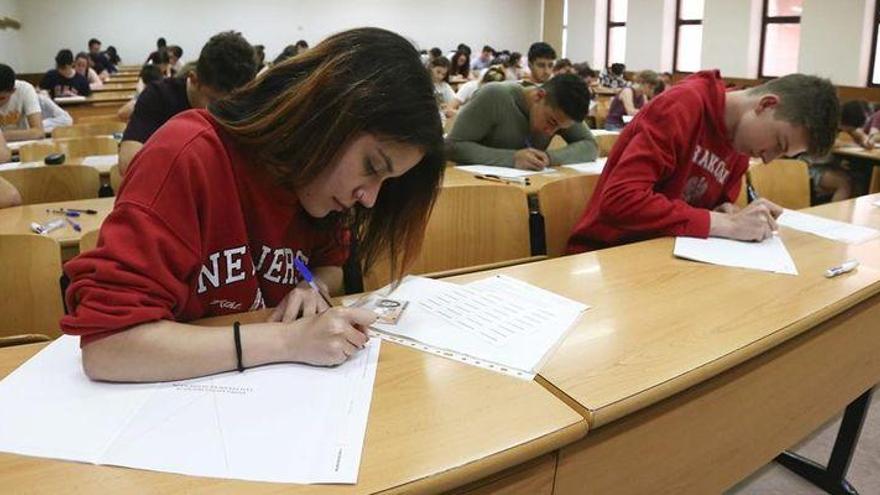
(829, 229)
(504, 172)
(769, 255)
(283, 423)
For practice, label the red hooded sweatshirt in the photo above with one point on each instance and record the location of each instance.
(197, 230)
(672, 164)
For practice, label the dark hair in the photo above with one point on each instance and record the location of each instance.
(514, 59)
(562, 63)
(63, 58)
(436, 52)
(260, 55)
(160, 43)
(568, 93)
(854, 113)
(176, 51)
(82, 55)
(226, 62)
(807, 101)
(298, 117)
(7, 78)
(584, 70)
(94, 41)
(617, 69)
(112, 55)
(494, 73)
(463, 70)
(440, 61)
(541, 50)
(150, 73)
(463, 48)
(162, 57)
(301, 44)
(286, 53)
(487, 48)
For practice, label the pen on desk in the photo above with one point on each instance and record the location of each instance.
(62, 211)
(845, 267)
(523, 181)
(77, 210)
(73, 224)
(307, 276)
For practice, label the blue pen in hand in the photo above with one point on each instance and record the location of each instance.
(310, 279)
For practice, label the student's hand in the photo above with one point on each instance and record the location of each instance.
(530, 159)
(755, 222)
(728, 208)
(300, 302)
(329, 338)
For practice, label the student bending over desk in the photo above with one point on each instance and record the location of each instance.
(677, 168)
(19, 108)
(219, 203)
(511, 125)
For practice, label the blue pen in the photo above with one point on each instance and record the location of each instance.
(307, 276)
(73, 224)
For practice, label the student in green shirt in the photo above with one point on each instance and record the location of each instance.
(511, 125)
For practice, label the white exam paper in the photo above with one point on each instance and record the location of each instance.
(283, 423)
(603, 132)
(498, 319)
(769, 255)
(101, 161)
(827, 228)
(506, 172)
(594, 167)
(18, 165)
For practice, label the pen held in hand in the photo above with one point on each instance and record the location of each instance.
(310, 279)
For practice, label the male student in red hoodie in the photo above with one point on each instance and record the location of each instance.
(677, 168)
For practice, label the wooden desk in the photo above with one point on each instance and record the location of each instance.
(116, 86)
(753, 350)
(457, 177)
(434, 425)
(17, 220)
(856, 151)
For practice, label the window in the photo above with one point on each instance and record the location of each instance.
(565, 29)
(780, 37)
(874, 71)
(688, 36)
(615, 37)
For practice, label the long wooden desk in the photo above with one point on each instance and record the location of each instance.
(693, 375)
(856, 151)
(17, 220)
(457, 177)
(434, 425)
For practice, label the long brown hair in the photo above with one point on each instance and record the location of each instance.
(298, 117)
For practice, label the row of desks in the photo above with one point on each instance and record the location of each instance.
(683, 377)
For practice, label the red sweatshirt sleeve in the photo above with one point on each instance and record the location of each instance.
(147, 248)
(629, 201)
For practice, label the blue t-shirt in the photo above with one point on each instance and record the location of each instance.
(58, 85)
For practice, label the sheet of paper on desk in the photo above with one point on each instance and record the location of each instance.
(876, 203)
(282, 423)
(603, 132)
(827, 228)
(769, 255)
(497, 320)
(506, 172)
(101, 160)
(14, 145)
(595, 167)
(19, 165)
(69, 99)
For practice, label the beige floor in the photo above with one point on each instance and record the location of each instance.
(864, 472)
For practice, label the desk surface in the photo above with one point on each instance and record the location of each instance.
(434, 424)
(659, 325)
(457, 177)
(100, 97)
(856, 151)
(17, 220)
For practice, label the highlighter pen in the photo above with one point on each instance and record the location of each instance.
(307, 276)
(845, 267)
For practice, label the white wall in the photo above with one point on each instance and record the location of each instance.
(836, 40)
(731, 36)
(133, 26)
(649, 34)
(582, 30)
(10, 39)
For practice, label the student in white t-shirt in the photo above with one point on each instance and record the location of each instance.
(20, 117)
(494, 73)
(445, 95)
(53, 115)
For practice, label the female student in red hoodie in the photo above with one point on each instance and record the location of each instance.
(219, 203)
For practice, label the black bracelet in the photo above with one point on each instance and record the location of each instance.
(236, 332)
